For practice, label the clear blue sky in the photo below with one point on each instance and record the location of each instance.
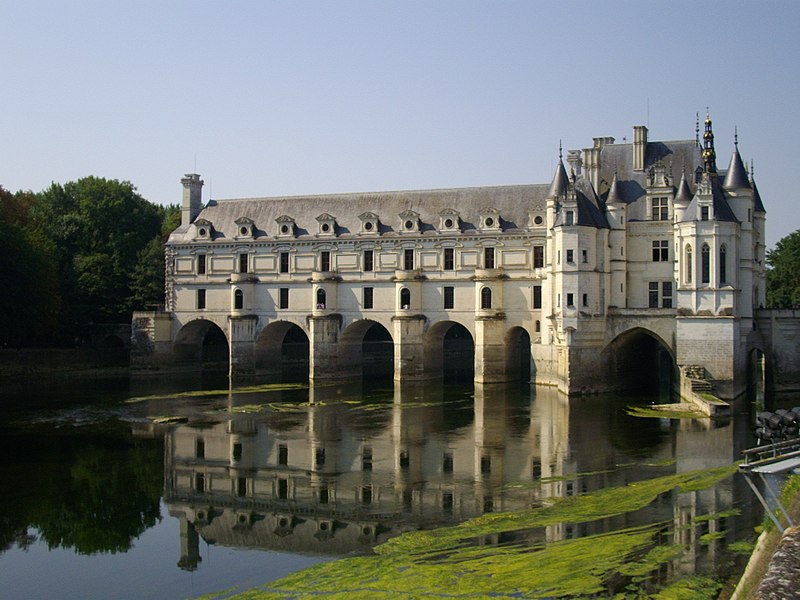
(273, 98)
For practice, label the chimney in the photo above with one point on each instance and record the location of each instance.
(574, 160)
(192, 198)
(639, 146)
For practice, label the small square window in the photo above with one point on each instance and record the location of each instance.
(570, 256)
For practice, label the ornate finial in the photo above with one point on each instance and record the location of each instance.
(697, 129)
(752, 170)
(709, 154)
(736, 136)
(559, 150)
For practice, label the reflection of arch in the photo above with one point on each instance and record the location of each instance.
(641, 360)
(449, 350)
(518, 354)
(282, 349)
(112, 342)
(367, 345)
(203, 343)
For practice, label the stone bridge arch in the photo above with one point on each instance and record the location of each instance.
(366, 347)
(640, 360)
(449, 351)
(203, 343)
(282, 350)
(661, 326)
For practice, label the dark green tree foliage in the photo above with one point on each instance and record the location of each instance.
(99, 227)
(147, 281)
(783, 276)
(30, 302)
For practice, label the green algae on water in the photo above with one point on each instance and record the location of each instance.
(668, 412)
(466, 561)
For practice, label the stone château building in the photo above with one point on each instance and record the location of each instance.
(637, 257)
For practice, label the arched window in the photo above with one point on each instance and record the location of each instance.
(705, 264)
(238, 299)
(405, 298)
(538, 326)
(321, 298)
(486, 298)
(688, 263)
(723, 264)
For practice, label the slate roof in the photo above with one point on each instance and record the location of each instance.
(721, 209)
(514, 204)
(759, 206)
(736, 177)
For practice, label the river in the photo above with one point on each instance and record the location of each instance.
(177, 488)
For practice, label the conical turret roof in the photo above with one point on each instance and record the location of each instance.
(560, 183)
(758, 205)
(684, 195)
(736, 177)
(614, 192)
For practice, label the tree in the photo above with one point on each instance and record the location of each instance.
(147, 281)
(783, 276)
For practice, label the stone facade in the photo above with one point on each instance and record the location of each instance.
(638, 239)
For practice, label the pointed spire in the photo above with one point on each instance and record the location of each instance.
(709, 154)
(736, 177)
(614, 193)
(684, 195)
(758, 205)
(560, 184)
(697, 130)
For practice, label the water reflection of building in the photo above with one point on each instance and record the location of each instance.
(344, 472)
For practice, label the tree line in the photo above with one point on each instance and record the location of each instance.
(89, 251)
(92, 251)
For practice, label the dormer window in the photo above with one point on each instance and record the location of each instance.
(327, 225)
(369, 223)
(245, 227)
(449, 220)
(285, 226)
(409, 221)
(536, 220)
(203, 229)
(490, 219)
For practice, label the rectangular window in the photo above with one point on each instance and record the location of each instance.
(408, 259)
(538, 257)
(586, 300)
(243, 263)
(660, 250)
(488, 258)
(486, 465)
(284, 262)
(666, 294)
(570, 299)
(652, 294)
(570, 217)
(236, 453)
(283, 489)
(241, 486)
(319, 457)
(323, 494)
(447, 462)
(325, 261)
(704, 213)
(283, 454)
(201, 299)
(449, 298)
(201, 264)
(405, 461)
(366, 458)
(570, 256)
(200, 448)
(368, 260)
(366, 495)
(283, 301)
(368, 297)
(449, 259)
(585, 256)
(558, 300)
(200, 483)
(537, 296)
(447, 502)
(660, 209)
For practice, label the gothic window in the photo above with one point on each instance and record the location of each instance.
(538, 326)
(449, 259)
(368, 297)
(660, 209)
(660, 250)
(723, 264)
(488, 258)
(368, 260)
(705, 264)
(486, 298)
(238, 299)
(321, 297)
(688, 263)
(201, 264)
(405, 298)
(449, 297)
(538, 257)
